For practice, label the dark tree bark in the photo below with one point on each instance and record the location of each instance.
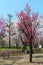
(31, 51)
(9, 15)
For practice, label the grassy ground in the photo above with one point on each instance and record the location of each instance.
(37, 60)
(10, 49)
(22, 60)
(10, 61)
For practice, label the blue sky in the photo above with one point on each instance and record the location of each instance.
(14, 6)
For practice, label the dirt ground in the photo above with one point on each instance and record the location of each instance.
(22, 60)
(37, 60)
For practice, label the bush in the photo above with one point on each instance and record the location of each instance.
(6, 52)
(37, 50)
(26, 49)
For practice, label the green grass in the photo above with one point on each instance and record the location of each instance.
(27, 47)
(38, 50)
(35, 50)
(4, 49)
(9, 49)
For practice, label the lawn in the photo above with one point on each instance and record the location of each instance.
(22, 60)
(37, 60)
(12, 58)
(9, 61)
(19, 58)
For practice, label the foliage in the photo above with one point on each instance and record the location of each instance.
(3, 29)
(28, 23)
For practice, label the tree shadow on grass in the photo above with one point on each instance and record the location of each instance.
(9, 64)
(38, 62)
(38, 56)
(13, 58)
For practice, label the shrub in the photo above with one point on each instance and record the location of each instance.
(6, 54)
(37, 50)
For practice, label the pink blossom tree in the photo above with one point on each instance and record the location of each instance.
(3, 28)
(28, 25)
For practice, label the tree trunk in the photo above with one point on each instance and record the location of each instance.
(31, 51)
(9, 41)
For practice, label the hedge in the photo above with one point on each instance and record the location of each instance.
(37, 50)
